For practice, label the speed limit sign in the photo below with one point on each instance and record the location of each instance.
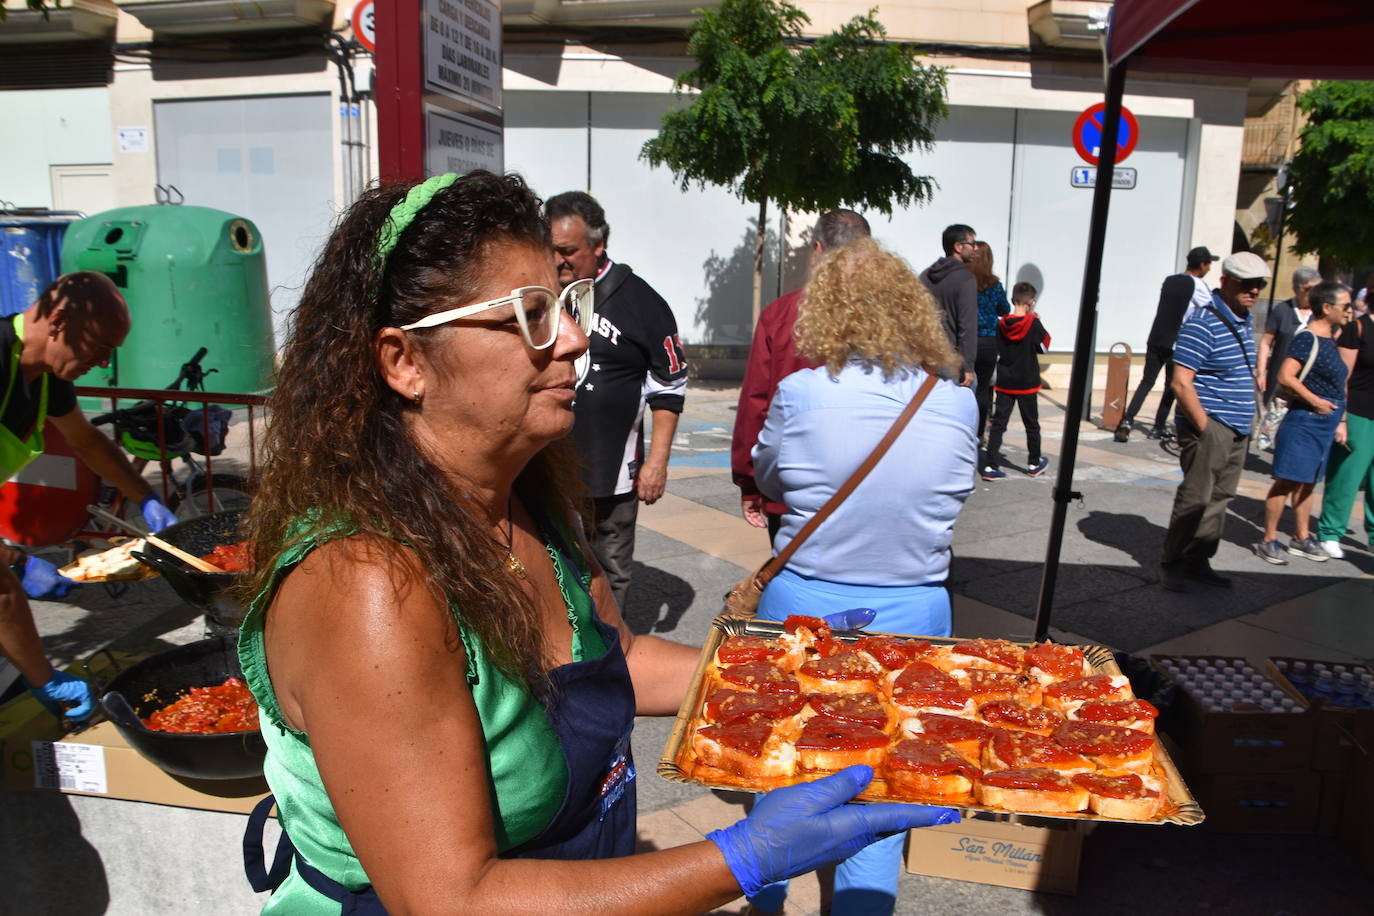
(364, 21)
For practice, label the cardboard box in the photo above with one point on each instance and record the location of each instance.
(1260, 802)
(1331, 808)
(1242, 741)
(1356, 830)
(36, 756)
(1035, 854)
(1335, 729)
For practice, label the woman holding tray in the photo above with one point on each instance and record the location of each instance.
(446, 685)
(876, 331)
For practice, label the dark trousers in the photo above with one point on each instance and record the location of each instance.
(984, 368)
(613, 540)
(1030, 418)
(1212, 461)
(1156, 358)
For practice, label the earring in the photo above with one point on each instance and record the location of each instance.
(416, 396)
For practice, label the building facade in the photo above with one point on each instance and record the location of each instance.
(270, 117)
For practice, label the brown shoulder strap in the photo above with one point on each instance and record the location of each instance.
(775, 565)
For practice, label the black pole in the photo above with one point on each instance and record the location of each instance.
(1083, 344)
(1278, 249)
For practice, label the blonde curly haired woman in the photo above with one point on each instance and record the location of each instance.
(875, 330)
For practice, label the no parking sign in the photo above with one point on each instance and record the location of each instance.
(1087, 134)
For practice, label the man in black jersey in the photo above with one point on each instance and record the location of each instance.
(636, 359)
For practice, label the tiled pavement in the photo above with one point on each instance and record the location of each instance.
(692, 546)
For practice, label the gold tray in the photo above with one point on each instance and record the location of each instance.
(675, 766)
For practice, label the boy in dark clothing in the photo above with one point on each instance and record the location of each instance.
(1020, 339)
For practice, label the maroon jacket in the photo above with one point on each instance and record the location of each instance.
(772, 358)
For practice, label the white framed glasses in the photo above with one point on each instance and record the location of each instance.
(538, 310)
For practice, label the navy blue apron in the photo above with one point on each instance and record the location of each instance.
(591, 706)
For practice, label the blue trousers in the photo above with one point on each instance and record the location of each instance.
(866, 882)
(916, 610)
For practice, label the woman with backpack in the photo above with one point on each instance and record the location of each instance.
(1313, 374)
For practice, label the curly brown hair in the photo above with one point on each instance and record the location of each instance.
(337, 450)
(864, 301)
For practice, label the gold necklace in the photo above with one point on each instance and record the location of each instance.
(513, 564)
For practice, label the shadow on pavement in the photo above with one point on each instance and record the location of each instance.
(48, 866)
(657, 599)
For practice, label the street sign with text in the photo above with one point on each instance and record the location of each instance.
(1122, 179)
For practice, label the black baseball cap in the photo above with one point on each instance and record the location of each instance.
(1200, 254)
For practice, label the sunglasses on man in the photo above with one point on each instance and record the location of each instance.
(538, 311)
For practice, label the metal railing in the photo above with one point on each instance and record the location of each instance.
(161, 398)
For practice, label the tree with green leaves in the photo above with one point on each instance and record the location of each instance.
(40, 5)
(1332, 175)
(810, 124)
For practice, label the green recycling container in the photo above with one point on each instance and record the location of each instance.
(193, 277)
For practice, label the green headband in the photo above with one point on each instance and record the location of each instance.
(404, 213)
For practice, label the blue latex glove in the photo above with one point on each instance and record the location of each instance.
(798, 829)
(156, 514)
(853, 619)
(65, 688)
(42, 580)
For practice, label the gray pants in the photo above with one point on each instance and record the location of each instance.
(1212, 461)
(613, 540)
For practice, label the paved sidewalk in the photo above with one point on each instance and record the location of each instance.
(1106, 594)
(77, 855)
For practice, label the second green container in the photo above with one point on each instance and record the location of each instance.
(193, 277)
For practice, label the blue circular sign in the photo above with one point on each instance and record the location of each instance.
(1087, 134)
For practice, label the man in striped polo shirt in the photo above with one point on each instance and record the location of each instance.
(1214, 382)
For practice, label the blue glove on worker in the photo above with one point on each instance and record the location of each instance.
(156, 514)
(853, 619)
(798, 829)
(65, 688)
(42, 580)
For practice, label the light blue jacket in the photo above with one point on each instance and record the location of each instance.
(896, 528)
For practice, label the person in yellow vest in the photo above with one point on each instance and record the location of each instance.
(75, 325)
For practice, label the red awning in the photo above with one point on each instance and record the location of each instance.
(1288, 39)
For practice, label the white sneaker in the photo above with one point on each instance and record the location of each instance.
(1332, 549)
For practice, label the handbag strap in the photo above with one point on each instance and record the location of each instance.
(776, 564)
(1311, 355)
(1254, 379)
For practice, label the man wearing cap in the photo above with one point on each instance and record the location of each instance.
(1179, 298)
(1214, 382)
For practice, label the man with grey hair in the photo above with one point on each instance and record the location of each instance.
(636, 360)
(1285, 319)
(773, 357)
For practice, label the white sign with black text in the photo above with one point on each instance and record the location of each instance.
(454, 143)
(1086, 177)
(463, 50)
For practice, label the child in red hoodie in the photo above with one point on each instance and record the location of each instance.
(1021, 338)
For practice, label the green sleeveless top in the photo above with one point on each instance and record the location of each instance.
(515, 729)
